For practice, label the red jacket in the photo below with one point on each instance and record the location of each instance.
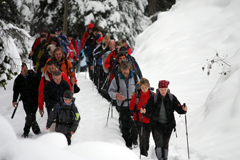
(144, 97)
(48, 77)
(108, 62)
(85, 35)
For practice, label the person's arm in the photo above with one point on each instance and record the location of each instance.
(178, 107)
(15, 92)
(107, 61)
(132, 102)
(64, 77)
(41, 94)
(52, 115)
(112, 91)
(76, 121)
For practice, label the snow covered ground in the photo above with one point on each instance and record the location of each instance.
(174, 48)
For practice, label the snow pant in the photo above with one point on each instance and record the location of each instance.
(143, 129)
(30, 110)
(100, 77)
(129, 131)
(161, 135)
(78, 66)
(53, 125)
(68, 136)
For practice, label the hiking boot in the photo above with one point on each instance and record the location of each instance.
(25, 135)
(37, 133)
(135, 144)
(144, 153)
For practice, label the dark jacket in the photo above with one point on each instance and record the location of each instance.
(67, 117)
(27, 87)
(53, 92)
(153, 109)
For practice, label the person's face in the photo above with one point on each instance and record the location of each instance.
(90, 30)
(24, 71)
(118, 47)
(163, 91)
(51, 68)
(58, 33)
(100, 33)
(120, 59)
(144, 88)
(57, 79)
(52, 35)
(67, 101)
(55, 43)
(95, 33)
(125, 73)
(58, 55)
(41, 39)
(70, 38)
(111, 45)
(106, 41)
(45, 34)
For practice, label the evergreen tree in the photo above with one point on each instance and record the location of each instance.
(10, 13)
(13, 48)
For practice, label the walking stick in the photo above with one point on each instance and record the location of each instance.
(186, 132)
(14, 111)
(108, 114)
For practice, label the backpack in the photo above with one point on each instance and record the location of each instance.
(73, 114)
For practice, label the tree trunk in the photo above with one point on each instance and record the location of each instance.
(65, 17)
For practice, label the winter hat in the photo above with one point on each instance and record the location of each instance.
(123, 50)
(95, 29)
(163, 84)
(100, 39)
(68, 95)
(58, 29)
(97, 36)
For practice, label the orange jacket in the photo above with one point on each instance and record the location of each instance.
(62, 66)
(42, 85)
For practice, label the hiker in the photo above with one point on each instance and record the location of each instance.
(54, 90)
(86, 35)
(44, 31)
(112, 57)
(67, 116)
(132, 60)
(121, 90)
(124, 44)
(64, 64)
(62, 39)
(160, 108)
(142, 123)
(47, 77)
(26, 84)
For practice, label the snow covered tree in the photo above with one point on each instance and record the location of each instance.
(155, 6)
(10, 13)
(13, 48)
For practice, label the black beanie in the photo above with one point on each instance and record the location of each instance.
(68, 95)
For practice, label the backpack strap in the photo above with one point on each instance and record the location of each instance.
(117, 81)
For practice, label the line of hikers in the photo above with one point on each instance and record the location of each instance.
(115, 73)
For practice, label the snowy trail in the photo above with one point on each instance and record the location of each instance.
(93, 110)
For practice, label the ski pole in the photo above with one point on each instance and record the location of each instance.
(14, 111)
(186, 132)
(108, 114)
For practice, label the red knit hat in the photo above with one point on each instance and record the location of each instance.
(100, 39)
(163, 84)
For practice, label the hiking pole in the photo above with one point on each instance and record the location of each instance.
(186, 132)
(14, 111)
(108, 114)
(104, 83)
